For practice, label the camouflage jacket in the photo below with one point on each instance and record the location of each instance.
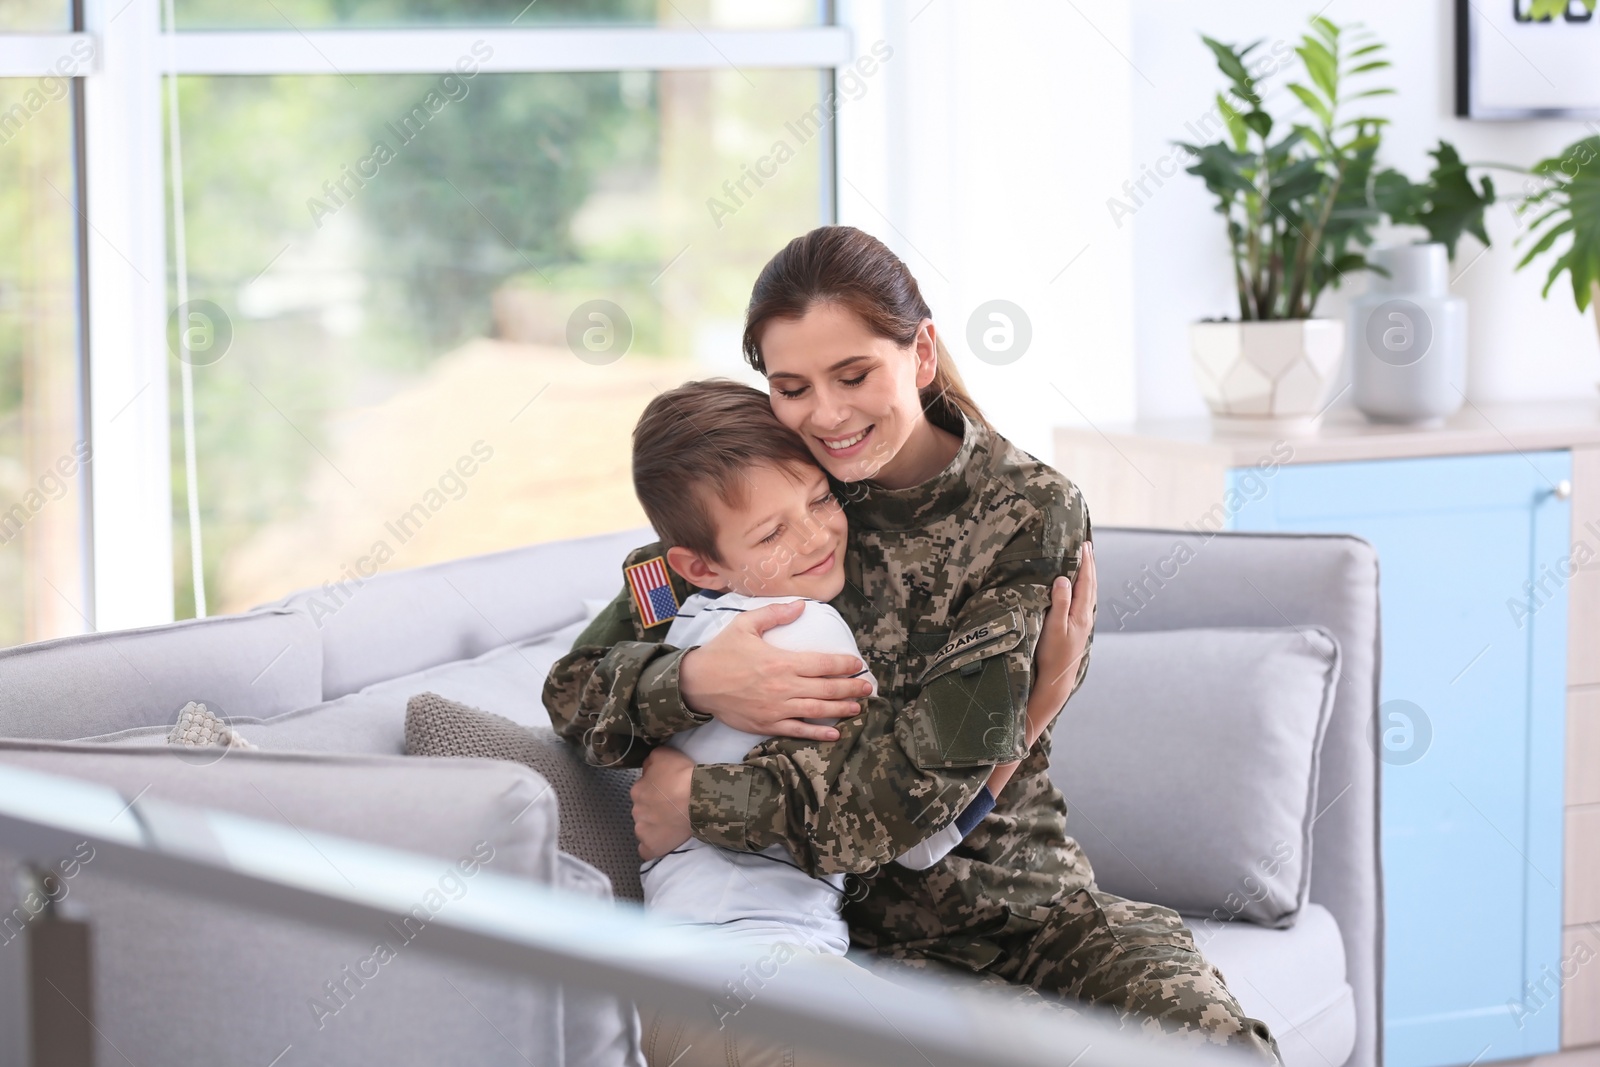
(946, 588)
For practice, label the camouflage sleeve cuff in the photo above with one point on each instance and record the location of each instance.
(729, 802)
(660, 705)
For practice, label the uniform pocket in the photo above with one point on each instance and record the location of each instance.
(968, 712)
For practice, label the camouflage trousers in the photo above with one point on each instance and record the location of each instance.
(670, 1040)
(1135, 960)
(716, 1038)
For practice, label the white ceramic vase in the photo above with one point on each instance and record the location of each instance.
(1267, 374)
(1408, 339)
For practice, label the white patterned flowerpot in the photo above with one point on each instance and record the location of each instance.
(1267, 373)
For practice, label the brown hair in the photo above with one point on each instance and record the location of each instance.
(700, 437)
(845, 266)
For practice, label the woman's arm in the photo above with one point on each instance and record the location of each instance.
(615, 696)
(661, 795)
(621, 691)
(894, 778)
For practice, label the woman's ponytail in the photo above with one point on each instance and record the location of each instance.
(947, 393)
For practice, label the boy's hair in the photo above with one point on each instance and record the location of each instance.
(701, 438)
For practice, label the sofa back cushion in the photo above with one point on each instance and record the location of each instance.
(261, 664)
(406, 621)
(1189, 762)
(510, 680)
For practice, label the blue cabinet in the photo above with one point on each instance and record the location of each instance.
(1471, 553)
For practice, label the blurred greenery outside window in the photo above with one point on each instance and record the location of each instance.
(42, 447)
(35, 16)
(410, 363)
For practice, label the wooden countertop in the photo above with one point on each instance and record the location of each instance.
(1344, 434)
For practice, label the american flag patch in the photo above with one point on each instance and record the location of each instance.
(652, 591)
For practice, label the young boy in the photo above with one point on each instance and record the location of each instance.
(748, 517)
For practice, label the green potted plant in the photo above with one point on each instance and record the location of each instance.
(1446, 204)
(1408, 335)
(1299, 213)
(1565, 192)
(1566, 199)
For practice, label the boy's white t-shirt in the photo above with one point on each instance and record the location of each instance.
(760, 895)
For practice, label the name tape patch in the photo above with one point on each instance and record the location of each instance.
(971, 637)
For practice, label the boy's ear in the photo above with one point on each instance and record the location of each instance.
(692, 568)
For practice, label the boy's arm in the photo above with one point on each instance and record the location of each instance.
(897, 775)
(615, 695)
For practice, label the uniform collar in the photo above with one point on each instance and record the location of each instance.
(874, 507)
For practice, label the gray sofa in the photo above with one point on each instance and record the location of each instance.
(319, 682)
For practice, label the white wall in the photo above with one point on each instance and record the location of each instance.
(981, 152)
(1520, 346)
(986, 149)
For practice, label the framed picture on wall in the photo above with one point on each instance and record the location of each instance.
(1509, 66)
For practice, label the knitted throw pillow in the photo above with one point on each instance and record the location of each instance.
(198, 726)
(596, 811)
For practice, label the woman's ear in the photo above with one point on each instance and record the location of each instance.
(693, 568)
(927, 350)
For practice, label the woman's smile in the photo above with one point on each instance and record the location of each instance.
(845, 446)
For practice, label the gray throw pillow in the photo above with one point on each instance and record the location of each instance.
(1189, 762)
(595, 809)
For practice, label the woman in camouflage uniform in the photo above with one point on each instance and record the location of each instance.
(956, 539)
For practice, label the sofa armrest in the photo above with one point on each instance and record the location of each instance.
(180, 979)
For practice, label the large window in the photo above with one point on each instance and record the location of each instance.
(414, 267)
(427, 279)
(42, 442)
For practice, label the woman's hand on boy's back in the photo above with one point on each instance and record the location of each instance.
(1064, 638)
(742, 681)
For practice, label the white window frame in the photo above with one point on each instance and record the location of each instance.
(529, 51)
(123, 250)
(35, 55)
